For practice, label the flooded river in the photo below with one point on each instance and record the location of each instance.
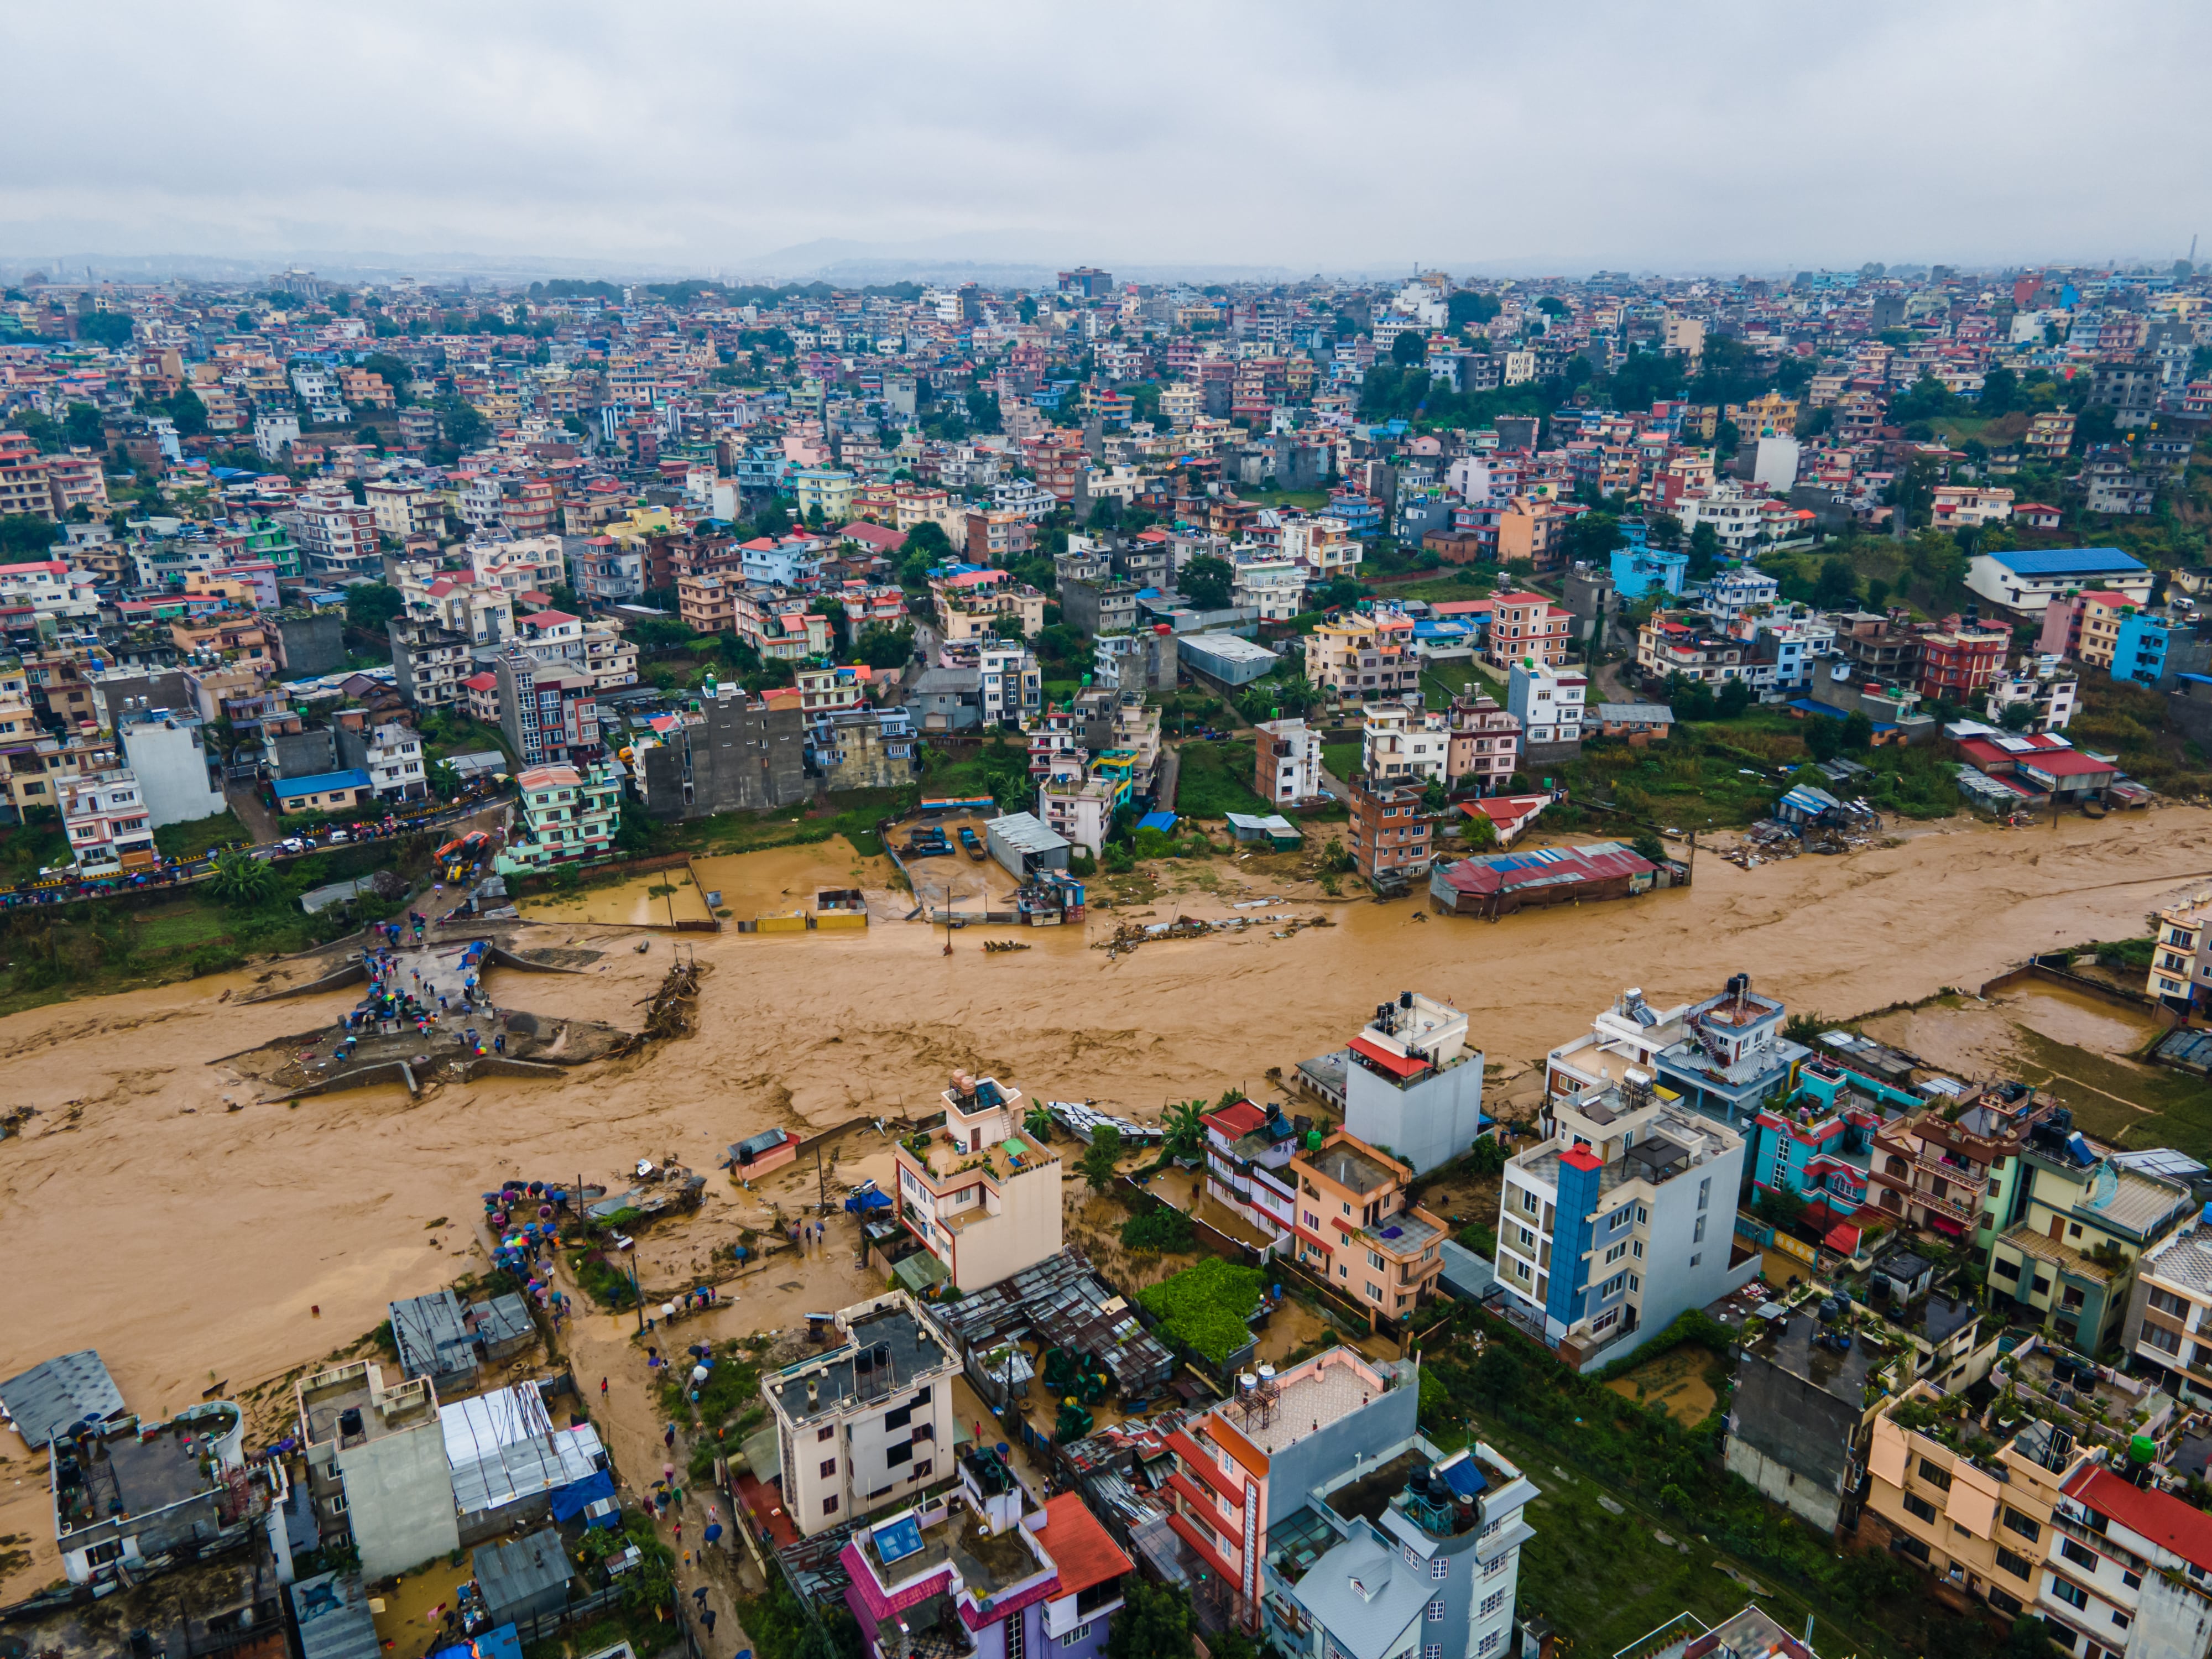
(193, 1243)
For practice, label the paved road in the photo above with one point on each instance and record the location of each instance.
(1164, 781)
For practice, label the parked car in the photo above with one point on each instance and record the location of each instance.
(293, 844)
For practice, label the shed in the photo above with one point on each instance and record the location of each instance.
(1275, 829)
(1805, 805)
(45, 1401)
(431, 1339)
(335, 1622)
(1228, 658)
(1025, 845)
(528, 1578)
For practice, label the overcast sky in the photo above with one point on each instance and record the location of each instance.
(1568, 137)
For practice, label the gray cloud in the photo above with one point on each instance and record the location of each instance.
(1304, 137)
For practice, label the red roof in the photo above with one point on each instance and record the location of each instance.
(2065, 764)
(481, 682)
(547, 619)
(1396, 1065)
(1580, 1157)
(1500, 872)
(1079, 1546)
(1236, 1121)
(2157, 1515)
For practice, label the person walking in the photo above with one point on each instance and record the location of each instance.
(603, 1388)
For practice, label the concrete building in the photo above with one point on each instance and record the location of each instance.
(2181, 971)
(127, 1495)
(2126, 1572)
(1228, 658)
(1287, 769)
(727, 752)
(1484, 742)
(1024, 846)
(110, 829)
(376, 1463)
(1732, 1054)
(980, 1194)
(1252, 1463)
(868, 1423)
(1401, 742)
(1549, 704)
(566, 813)
(391, 754)
(428, 662)
(171, 762)
(551, 716)
(1412, 1084)
(1389, 832)
(1354, 1226)
(1798, 1429)
(1620, 1220)
(2023, 581)
(2169, 1319)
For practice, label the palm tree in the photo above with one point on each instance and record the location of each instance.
(240, 878)
(1184, 1128)
(1038, 1121)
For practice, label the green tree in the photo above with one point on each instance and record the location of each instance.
(1464, 307)
(189, 413)
(1552, 306)
(1154, 1622)
(885, 648)
(1838, 585)
(81, 425)
(239, 878)
(2000, 387)
(1648, 846)
(1858, 732)
(27, 533)
(1705, 550)
(370, 606)
(1099, 1157)
(1184, 1129)
(1410, 347)
(1206, 582)
(463, 425)
(1592, 536)
(983, 410)
(1733, 698)
(110, 329)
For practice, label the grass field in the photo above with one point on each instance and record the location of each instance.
(2131, 1106)
(1216, 778)
(1443, 585)
(191, 838)
(1342, 760)
(854, 814)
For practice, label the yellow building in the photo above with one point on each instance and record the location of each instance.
(1365, 658)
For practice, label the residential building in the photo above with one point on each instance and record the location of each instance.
(1364, 657)
(551, 716)
(1010, 683)
(391, 755)
(1960, 659)
(1549, 703)
(2078, 1224)
(2041, 681)
(726, 751)
(1401, 743)
(983, 1575)
(867, 1423)
(1621, 1219)
(980, 1194)
(1248, 1156)
(1681, 644)
(1732, 1054)
(1534, 529)
(2139, 650)
(428, 662)
(127, 1493)
(2024, 580)
(1287, 769)
(2127, 1569)
(1359, 1231)
(1527, 627)
(1389, 838)
(1272, 584)
(337, 538)
(970, 602)
(1958, 1174)
(377, 1472)
(2093, 625)
(1249, 1466)
(566, 812)
(1485, 743)
(2181, 965)
(166, 756)
(401, 509)
(2050, 434)
(327, 793)
(1412, 1084)
(2168, 1331)
(1798, 1429)
(110, 827)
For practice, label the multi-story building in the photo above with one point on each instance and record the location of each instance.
(337, 538)
(1621, 1219)
(2078, 1227)
(24, 491)
(1527, 627)
(428, 661)
(2044, 683)
(377, 1471)
(2095, 625)
(724, 752)
(866, 1424)
(1287, 769)
(1365, 658)
(2129, 1574)
(2024, 580)
(1412, 1084)
(1549, 704)
(971, 602)
(391, 754)
(1389, 831)
(1355, 1227)
(1960, 1174)
(127, 1493)
(551, 716)
(1011, 684)
(1798, 1432)
(1484, 742)
(2169, 1318)
(1959, 661)
(997, 536)
(110, 829)
(1533, 528)
(401, 509)
(980, 1194)
(50, 587)
(2181, 967)
(1399, 743)
(566, 812)
(1248, 1466)
(1274, 585)
(1731, 1054)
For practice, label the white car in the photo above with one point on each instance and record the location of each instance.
(336, 836)
(293, 844)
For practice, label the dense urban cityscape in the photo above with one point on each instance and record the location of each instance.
(908, 948)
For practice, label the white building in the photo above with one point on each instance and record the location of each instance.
(1011, 684)
(1403, 744)
(53, 587)
(109, 827)
(1290, 763)
(1412, 1085)
(1620, 1221)
(275, 430)
(337, 538)
(402, 510)
(171, 764)
(1775, 465)
(2024, 580)
(1272, 584)
(1549, 702)
(377, 1469)
(2048, 684)
(2126, 1571)
(869, 1423)
(391, 755)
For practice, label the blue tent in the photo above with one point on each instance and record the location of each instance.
(1163, 822)
(570, 1501)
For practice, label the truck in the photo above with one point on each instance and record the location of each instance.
(972, 842)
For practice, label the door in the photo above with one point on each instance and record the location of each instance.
(2058, 1226)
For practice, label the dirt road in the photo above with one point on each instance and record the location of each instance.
(190, 1238)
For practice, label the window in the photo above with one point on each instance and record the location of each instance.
(829, 1433)
(829, 1505)
(1440, 1568)
(2005, 1269)
(2132, 1580)
(1936, 1475)
(1615, 1254)
(900, 1453)
(101, 1554)
(1436, 1610)
(1432, 1650)
(1530, 1202)
(1917, 1505)
(1375, 1261)
(2072, 1594)
(1705, 1191)
(1492, 1602)
(1698, 1237)
(1081, 1633)
(2158, 1337)
(2167, 1302)
(1619, 1218)
(899, 1419)
(2079, 1556)
(1913, 1548)
(1696, 1259)
(1489, 1644)
(2031, 1530)
(2120, 1619)
(828, 1467)
(2018, 1566)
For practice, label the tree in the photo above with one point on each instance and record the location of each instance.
(2000, 386)
(1098, 1159)
(885, 648)
(370, 606)
(1592, 537)
(1705, 550)
(1207, 581)
(26, 532)
(1552, 306)
(1184, 1129)
(1478, 832)
(1824, 738)
(983, 410)
(1877, 593)
(81, 425)
(189, 413)
(1649, 848)
(1733, 698)
(1154, 1622)
(2017, 716)
(1858, 732)
(462, 422)
(241, 879)
(1410, 347)
(1464, 307)
(1838, 585)
(243, 323)
(110, 329)
(925, 545)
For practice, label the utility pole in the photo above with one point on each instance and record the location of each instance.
(637, 1293)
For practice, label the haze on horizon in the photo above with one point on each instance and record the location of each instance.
(757, 140)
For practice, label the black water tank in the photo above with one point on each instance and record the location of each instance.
(349, 1422)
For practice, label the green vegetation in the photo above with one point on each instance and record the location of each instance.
(1099, 1157)
(1163, 1227)
(2128, 721)
(191, 839)
(854, 814)
(1341, 760)
(1204, 1308)
(600, 1280)
(1215, 779)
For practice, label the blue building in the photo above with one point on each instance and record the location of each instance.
(2140, 654)
(1733, 1055)
(1638, 571)
(1361, 513)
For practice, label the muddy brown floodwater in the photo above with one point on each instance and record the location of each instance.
(192, 1243)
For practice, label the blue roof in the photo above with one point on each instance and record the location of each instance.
(322, 783)
(1807, 705)
(1161, 821)
(2067, 561)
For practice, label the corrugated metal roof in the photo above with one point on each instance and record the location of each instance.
(334, 1618)
(54, 1394)
(511, 1574)
(1503, 872)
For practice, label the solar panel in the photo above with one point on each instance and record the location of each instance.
(896, 1540)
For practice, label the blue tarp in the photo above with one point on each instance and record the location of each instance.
(570, 1501)
(1163, 822)
(873, 1197)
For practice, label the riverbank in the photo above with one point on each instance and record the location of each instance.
(190, 1236)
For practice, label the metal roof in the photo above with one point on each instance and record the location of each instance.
(1068, 1306)
(1024, 832)
(334, 1618)
(509, 1574)
(2067, 561)
(54, 1394)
